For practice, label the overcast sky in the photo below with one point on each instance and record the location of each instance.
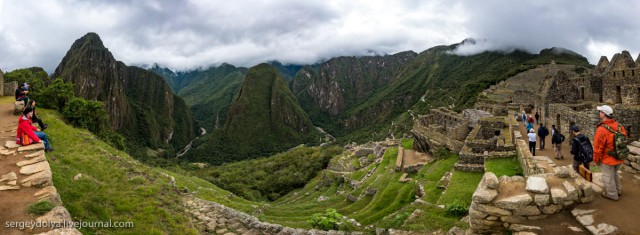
(190, 34)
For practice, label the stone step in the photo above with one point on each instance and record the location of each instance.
(36, 146)
(469, 167)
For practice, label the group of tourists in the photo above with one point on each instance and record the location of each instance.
(608, 150)
(27, 133)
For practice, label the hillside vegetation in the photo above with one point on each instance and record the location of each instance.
(114, 186)
(264, 118)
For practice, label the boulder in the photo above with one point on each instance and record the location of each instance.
(514, 202)
(9, 177)
(35, 168)
(490, 180)
(558, 196)
(482, 195)
(603, 229)
(537, 185)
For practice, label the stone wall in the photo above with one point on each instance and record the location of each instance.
(440, 128)
(585, 115)
(214, 218)
(564, 116)
(620, 80)
(2, 83)
(505, 203)
(9, 88)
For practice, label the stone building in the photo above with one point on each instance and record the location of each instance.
(564, 101)
(440, 128)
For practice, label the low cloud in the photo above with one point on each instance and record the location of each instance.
(198, 33)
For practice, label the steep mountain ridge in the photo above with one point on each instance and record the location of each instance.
(140, 103)
(264, 118)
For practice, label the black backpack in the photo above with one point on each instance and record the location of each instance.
(586, 150)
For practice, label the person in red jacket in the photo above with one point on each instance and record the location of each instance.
(28, 134)
(602, 143)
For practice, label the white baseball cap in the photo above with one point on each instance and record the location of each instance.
(606, 109)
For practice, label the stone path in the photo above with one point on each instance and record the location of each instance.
(25, 178)
(603, 214)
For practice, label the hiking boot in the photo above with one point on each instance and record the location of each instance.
(44, 127)
(604, 194)
(49, 150)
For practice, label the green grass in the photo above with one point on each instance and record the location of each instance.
(113, 187)
(462, 186)
(40, 207)
(407, 143)
(504, 166)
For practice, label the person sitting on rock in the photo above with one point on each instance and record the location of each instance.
(34, 118)
(21, 94)
(27, 134)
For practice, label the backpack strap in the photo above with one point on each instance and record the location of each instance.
(609, 128)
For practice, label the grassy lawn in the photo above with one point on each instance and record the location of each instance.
(113, 186)
(407, 143)
(504, 166)
(461, 188)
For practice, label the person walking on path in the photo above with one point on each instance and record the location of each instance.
(537, 116)
(532, 141)
(556, 141)
(524, 118)
(603, 147)
(530, 125)
(543, 132)
(578, 150)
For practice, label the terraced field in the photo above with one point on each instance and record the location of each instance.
(391, 206)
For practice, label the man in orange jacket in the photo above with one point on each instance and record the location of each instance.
(602, 143)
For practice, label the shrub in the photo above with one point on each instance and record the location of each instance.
(56, 95)
(40, 208)
(330, 220)
(86, 114)
(456, 209)
(442, 153)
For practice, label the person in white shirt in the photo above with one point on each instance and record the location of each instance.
(532, 141)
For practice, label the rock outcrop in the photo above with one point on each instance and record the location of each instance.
(140, 103)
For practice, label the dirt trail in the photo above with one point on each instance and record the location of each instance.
(13, 203)
(621, 213)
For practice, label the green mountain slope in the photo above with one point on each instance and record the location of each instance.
(140, 103)
(264, 118)
(435, 78)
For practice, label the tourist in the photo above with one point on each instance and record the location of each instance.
(530, 125)
(34, 118)
(578, 145)
(543, 132)
(28, 134)
(532, 141)
(556, 141)
(537, 117)
(524, 118)
(21, 93)
(602, 145)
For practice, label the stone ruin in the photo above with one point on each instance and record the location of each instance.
(563, 101)
(491, 138)
(410, 161)
(441, 128)
(475, 134)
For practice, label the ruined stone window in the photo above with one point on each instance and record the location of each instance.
(618, 95)
(622, 73)
(614, 74)
(633, 73)
(582, 93)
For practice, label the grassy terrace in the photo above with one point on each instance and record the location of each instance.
(116, 187)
